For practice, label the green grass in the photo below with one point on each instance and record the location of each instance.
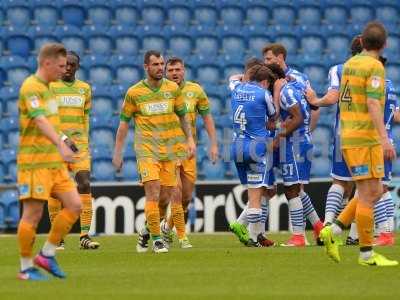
(219, 267)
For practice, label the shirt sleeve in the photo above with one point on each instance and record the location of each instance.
(128, 108)
(288, 98)
(203, 104)
(233, 84)
(270, 104)
(179, 106)
(333, 79)
(88, 102)
(375, 83)
(33, 102)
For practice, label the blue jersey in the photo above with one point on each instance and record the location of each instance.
(298, 76)
(251, 107)
(391, 106)
(291, 95)
(334, 78)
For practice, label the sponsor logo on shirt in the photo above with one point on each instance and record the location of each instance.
(254, 177)
(156, 108)
(71, 101)
(360, 170)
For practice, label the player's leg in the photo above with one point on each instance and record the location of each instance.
(188, 173)
(32, 211)
(389, 204)
(254, 215)
(54, 207)
(381, 224)
(291, 184)
(64, 189)
(82, 179)
(239, 227)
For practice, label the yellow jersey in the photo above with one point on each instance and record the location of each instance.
(74, 104)
(196, 102)
(363, 77)
(158, 134)
(35, 150)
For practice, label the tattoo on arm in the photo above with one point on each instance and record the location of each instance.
(185, 125)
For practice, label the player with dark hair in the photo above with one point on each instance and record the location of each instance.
(74, 99)
(158, 110)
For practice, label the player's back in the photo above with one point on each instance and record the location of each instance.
(251, 106)
(35, 149)
(362, 78)
(298, 76)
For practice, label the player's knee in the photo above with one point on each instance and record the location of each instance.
(32, 215)
(83, 182)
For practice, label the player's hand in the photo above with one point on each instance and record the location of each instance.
(275, 144)
(66, 153)
(214, 153)
(389, 153)
(191, 147)
(117, 161)
(311, 96)
(271, 124)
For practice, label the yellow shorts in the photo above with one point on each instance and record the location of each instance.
(165, 171)
(40, 184)
(188, 168)
(81, 162)
(365, 162)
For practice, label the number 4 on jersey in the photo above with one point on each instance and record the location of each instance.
(240, 118)
(346, 97)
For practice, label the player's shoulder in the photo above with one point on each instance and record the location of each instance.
(82, 84)
(169, 84)
(193, 84)
(31, 84)
(136, 88)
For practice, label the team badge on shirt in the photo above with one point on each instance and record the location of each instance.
(34, 101)
(375, 82)
(81, 91)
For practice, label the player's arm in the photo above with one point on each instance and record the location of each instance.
(293, 122)
(330, 98)
(122, 132)
(127, 112)
(375, 91)
(210, 128)
(180, 111)
(396, 116)
(314, 118)
(86, 112)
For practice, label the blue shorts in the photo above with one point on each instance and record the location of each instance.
(340, 171)
(303, 153)
(388, 172)
(252, 162)
(284, 160)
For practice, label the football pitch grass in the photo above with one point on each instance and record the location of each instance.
(218, 267)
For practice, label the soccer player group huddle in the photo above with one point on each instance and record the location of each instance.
(274, 111)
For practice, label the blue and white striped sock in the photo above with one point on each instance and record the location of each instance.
(254, 216)
(296, 215)
(243, 216)
(308, 208)
(334, 201)
(381, 221)
(389, 204)
(265, 213)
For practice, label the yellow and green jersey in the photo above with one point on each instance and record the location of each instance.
(74, 104)
(35, 149)
(363, 77)
(158, 133)
(196, 102)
